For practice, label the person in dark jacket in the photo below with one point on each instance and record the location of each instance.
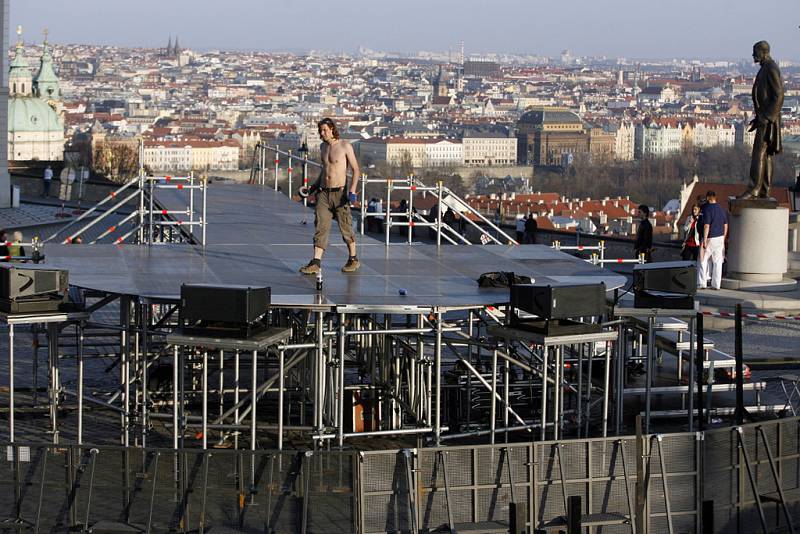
(4, 245)
(531, 227)
(691, 235)
(644, 235)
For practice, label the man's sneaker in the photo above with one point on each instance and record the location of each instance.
(313, 267)
(352, 265)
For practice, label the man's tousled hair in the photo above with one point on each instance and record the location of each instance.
(332, 125)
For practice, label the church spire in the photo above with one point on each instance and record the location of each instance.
(177, 49)
(19, 75)
(46, 81)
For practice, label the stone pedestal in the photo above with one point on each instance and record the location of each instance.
(757, 247)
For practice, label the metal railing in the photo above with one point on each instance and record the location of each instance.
(150, 222)
(598, 253)
(407, 218)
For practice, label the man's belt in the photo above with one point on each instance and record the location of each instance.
(331, 189)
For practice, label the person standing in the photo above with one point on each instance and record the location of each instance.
(520, 229)
(4, 252)
(691, 236)
(333, 198)
(47, 179)
(16, 250)
(531, 227)
(713, 234)
(371, 219)
(644, 235)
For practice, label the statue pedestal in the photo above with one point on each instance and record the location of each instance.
(757, 246)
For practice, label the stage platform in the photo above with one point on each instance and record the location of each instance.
(257, 236)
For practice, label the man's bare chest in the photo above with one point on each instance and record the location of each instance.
(334, 155)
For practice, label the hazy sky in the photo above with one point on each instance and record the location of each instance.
(615, 28)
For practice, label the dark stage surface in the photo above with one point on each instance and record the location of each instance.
(257, 237)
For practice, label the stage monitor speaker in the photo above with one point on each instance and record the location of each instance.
(233, 304)
(663, 301)
(559, 301)
(678, 277)
(23, 282)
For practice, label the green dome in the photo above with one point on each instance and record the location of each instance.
(31, 114)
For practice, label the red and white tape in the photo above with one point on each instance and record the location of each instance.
(758, 316)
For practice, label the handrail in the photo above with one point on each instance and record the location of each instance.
(94, 208)
(101, 217)
(410, 183)
(112, 229)
(472, 210)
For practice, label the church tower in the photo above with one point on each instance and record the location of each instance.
(440, 85)
(46, 82)
(20, 81)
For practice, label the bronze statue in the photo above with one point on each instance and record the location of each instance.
(767, 103)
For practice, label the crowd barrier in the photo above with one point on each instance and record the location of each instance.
(744, 479)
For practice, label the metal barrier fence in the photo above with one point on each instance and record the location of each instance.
(743, 479)
(47, 488)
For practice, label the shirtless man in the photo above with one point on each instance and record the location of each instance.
(333, 199)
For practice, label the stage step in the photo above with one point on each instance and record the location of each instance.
(723, 410)
(591, 520)
(662, 390)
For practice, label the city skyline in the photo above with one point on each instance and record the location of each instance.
(714, 29)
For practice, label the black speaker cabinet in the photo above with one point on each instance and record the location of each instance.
(32, 289)
(559, 301)
(679, 277)
(664, 301)
(228, 311)
(22, 282)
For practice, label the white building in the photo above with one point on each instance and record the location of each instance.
(624, 142)
(489, 148)
(658, 138)
(172, 156)
(709, 134)
(444, 152)
(416, 151)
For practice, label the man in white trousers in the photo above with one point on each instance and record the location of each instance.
(712, 248)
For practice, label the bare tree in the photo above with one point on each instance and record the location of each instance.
(116, 161)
